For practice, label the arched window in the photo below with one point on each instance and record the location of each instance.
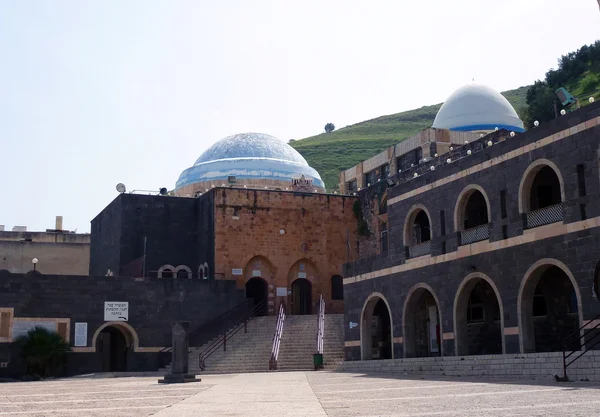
(182, 273)
(337, 287)
(541, 194)
(417, 232)
(167, 273)
(472, 215)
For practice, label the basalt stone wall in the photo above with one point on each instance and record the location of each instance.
(153, 304)
(511, 248)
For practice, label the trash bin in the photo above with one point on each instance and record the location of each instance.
(318, 361)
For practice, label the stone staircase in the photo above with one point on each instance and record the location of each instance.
(251, 351)
(299, 342)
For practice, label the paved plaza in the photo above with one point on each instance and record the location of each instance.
(298, 394)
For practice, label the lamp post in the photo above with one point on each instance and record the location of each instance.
(34, 261)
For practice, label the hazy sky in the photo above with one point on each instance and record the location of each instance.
(96, 93)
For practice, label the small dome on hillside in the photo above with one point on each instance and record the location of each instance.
(476, 107)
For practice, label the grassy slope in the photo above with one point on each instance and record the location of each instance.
(330, 153)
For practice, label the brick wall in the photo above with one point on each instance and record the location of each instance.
(248, 225)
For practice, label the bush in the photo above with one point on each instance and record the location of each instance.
(42, 350)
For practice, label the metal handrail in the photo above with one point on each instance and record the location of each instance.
(585, 344)
(321, 325)
(217, 325)
(229, 333)
(277, 337)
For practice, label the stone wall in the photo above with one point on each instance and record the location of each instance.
(539, 366)
(172, 230)
(54, 258)
(153, 304)
(275, 232)
(505, 259)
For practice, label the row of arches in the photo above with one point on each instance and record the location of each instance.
(182, 271)
(541, 187)
(548, 309)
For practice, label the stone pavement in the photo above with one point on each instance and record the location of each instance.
(299, 394)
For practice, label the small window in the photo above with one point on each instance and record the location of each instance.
(337, 288)
(540, 309)
(475, 312)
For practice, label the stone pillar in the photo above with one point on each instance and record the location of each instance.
(180, 355)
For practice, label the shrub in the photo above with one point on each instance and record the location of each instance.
(42, 350)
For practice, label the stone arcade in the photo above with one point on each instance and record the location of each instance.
(490, 248)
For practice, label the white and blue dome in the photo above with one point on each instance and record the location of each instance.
(250, 158)
(476, 107)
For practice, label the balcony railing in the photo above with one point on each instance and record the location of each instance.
(546, 215)
(475, 234)
(419, 249)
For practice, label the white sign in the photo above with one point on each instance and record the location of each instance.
(80, 334)
(22, 327)
(353, 325)
(256, 273)
(301, 274)
(281, 291)
(237, 271)
(116, 311)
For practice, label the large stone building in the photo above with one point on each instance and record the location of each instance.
(490, 248)
(57, 251)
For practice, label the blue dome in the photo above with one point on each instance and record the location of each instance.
(248, 157)
(476, 107)
(251, 145)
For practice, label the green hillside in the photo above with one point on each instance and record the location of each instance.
(330, 153)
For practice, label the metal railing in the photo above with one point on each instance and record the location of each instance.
(546, 215)
(583, 345)
(419, 249)
(227, 332)
(475, 234)
(321, 325)
(277, 337)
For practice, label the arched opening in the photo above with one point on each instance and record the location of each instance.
(476, 211)
(113, 343)
(549, 308)
(541, 194)
(597, 281)
(337, 287)
(478, 320)
(376, 330)
(301, 296)
(545, 189)
(257, 291)
(182, 273)
(417, 233)
(167, 273)
(422, 331)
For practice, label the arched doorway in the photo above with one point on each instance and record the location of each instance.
(113, 345)
(545, 189)
(549, 308)
(421, 318)
(257, 290)
(472, 215)
(301, 296)
(376, 330)
(541, 194)
(478, 320)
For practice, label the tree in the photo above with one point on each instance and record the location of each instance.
(329, 127)
(42, 351)
(540, 103)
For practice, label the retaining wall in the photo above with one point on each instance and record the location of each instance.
(520, 366)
